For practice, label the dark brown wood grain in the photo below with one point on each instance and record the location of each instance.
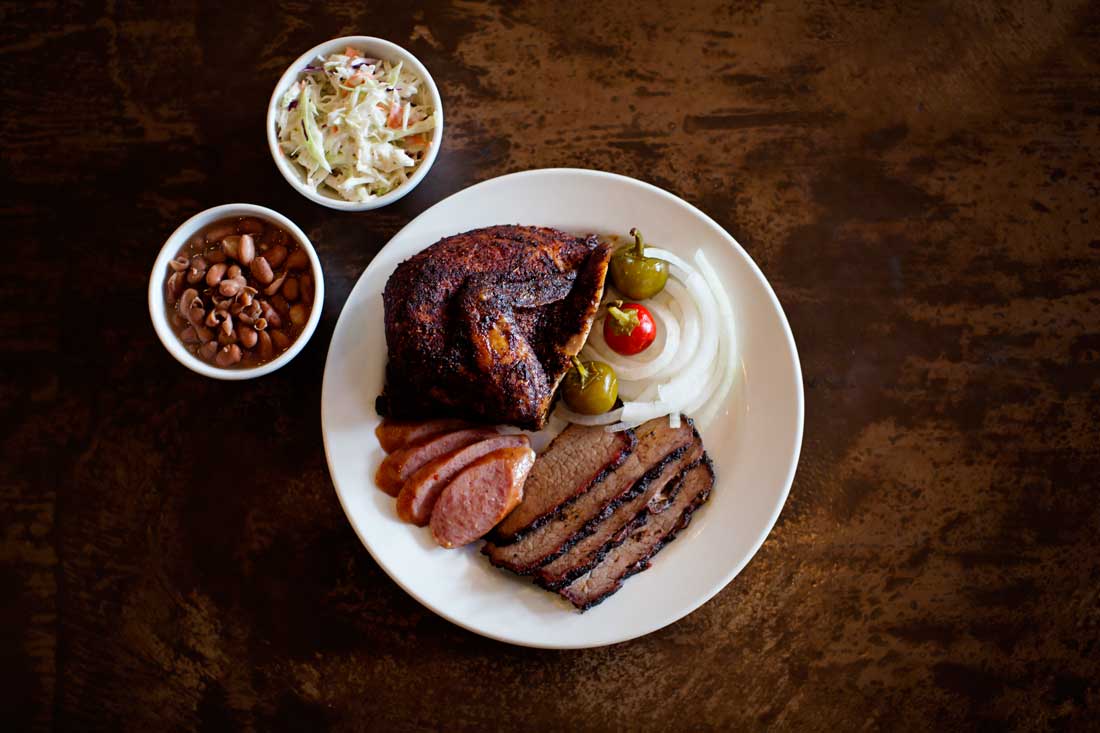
(919, 181)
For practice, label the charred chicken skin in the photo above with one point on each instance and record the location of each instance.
(481, 325)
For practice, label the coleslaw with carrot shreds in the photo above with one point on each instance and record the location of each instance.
(358, 125)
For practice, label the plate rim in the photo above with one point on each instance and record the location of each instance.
(792, 468)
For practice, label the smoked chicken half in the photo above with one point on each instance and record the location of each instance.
(482, 325)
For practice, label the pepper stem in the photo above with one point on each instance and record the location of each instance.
(581, 371)
(639, 244)
(624, 322)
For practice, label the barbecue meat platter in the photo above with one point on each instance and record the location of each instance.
(482, 330)
(562, 408)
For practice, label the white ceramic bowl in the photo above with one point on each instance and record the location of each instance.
(372, 47)
(175, 242)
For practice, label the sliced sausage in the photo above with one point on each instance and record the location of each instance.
(397, 434)
(399, 465)
(480, 496)
(419, 494)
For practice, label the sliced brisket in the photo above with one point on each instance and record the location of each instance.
(577, 459)
(581, 517)
(670, 512)
(611, 532)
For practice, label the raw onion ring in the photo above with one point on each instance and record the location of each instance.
(725, 308)
(603, 418)
(684, 385)
(644, 370)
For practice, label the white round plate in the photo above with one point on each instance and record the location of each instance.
(754, 440)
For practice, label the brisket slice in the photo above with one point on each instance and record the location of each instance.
(611, 532)
(581, 517)
(658, 525)
(579, 458)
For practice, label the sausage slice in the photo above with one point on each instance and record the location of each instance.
(420, 492)
(482, 495)
(397, 434)
(399, 465)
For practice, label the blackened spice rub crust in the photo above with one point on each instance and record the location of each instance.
(614, 530)
(481, 325)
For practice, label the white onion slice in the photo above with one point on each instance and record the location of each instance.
(707, 388)
(636, 372)
(589, 354)
(728, 361)
(576, 417)
(689, 340)
(642, 411)
(649, 393)
(636, 413)
(625, 425)
(669, 257)
(671, 346)
(696, 355)
(686, 384)
(632, 391)
(596, 352)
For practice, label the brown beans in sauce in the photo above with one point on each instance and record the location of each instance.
(276, 255)
(227, 292)
(276, 236)
(280, 305)
(297, 260)
(228, 356)
(220, 230)
(247, 336)
(264, 347)
(280, 340)
(215, 274)
(262, 271)
(246, 250)
(299, 314)
(250, 225)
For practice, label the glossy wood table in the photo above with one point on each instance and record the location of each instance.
(921, 184)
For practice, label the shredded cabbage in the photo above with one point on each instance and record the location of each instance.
(359, 126)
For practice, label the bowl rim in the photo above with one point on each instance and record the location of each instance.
(158, 311)
(381, 47)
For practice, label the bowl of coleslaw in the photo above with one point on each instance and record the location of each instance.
(355, 123)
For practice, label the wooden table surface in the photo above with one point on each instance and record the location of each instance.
(920, 182)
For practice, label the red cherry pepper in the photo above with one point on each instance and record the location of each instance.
(629, 328)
